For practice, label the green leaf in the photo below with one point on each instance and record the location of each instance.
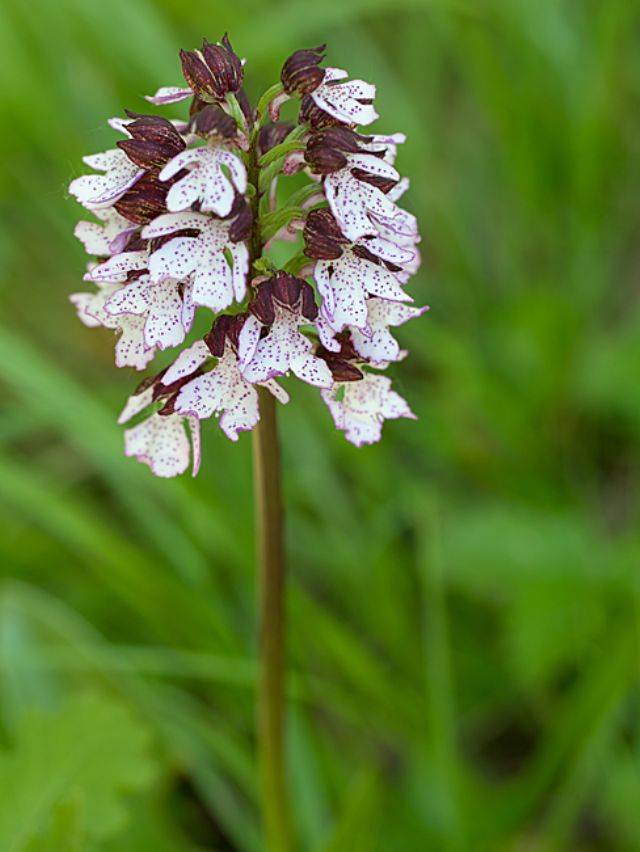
(92, 750)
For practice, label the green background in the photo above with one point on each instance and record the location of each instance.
(463, 601)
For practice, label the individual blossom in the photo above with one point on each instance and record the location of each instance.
(131, 349)
(161, 441)
(348, 273)
(359, 409)
(354, 200)
(103, 190)
(211, 73)
(205, 181)
(215, 283)
(221, 391)
(282, 305)
(107, 237)
(167, 309)
(374, 343)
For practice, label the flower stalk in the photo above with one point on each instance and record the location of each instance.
(271, 577)
(271, 590)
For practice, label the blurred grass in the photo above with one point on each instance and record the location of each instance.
(463, 608)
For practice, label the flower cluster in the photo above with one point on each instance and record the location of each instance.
(184, 213)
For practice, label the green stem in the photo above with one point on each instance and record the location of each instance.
(271, 569)
(271, 588)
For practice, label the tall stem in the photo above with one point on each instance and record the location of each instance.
(271, 568)
(271, 588)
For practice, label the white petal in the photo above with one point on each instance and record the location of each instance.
(131, 350)
(187, 362)
(279, 392)
(175, 259)
(248, 340)
(160, 442)
(116, 269)
(213, 283)
(135, 404)
(168, 223)
(312, 370)
(373, 165)
(163, 327)
(169, 95)
(240, 256)
(194, 428)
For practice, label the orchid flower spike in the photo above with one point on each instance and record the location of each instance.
(184, 215)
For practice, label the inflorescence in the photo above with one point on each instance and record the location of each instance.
(188, 211)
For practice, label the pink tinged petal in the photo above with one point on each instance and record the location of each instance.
(187, 362)
(248, 340)
(160, 442)
(312, 370)
(168, 223)
(279, 392)
(380, 282)
(116, 269)
(135, 404)
(373, 165)
(169, 95)
(240, 256)
(175, 259)
(196, 442)
(188, 157)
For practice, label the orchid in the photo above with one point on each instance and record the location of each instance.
(185, 213)
(185, 217)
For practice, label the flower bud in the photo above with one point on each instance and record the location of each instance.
(198, 76)
(213, 121)
(323, 239)
(145, 200)
(154, 141)
(300, 73)
(242, 220)
(273, 134)
(326, 149)
(225, 66)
